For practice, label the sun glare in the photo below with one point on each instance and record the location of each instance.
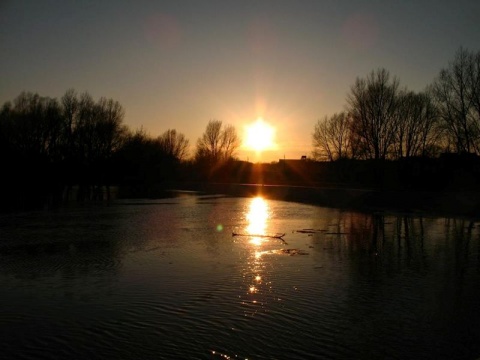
(257, 217)
(260, 136)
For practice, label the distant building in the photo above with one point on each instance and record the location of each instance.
(297, 169)
(303, 158)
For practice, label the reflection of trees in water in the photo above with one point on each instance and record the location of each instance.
(460, 252)
(366, 233)
(65, 258)
(63, 245)
(414, 277)
(409, 234)
(412, 271)
(400, 242)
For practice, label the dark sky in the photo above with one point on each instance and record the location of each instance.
(178, 64)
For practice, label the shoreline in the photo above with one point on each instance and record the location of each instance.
(439, 203)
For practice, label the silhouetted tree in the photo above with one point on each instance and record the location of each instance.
(217, 143)
(332, 138)
(418, 128)
(174, 144)
(47, 145)
(97, 133)
(109, 129)
(457, 91)
(31, 135)
(70, 107)
(6, 135)
(145, 165)
(372, 104)
(35, 126)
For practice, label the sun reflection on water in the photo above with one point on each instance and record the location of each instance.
(257, 216)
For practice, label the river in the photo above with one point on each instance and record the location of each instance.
(166, 279)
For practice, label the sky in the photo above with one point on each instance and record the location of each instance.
(179, 64)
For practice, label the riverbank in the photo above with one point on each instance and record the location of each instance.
(448, 203)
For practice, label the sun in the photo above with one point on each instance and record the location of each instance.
(260, 136)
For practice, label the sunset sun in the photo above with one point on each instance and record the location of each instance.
(260, 136)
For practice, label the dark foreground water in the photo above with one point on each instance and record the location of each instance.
(166, 279)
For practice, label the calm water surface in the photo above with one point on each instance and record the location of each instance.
(166, 279)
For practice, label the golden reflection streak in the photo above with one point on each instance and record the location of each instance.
(257, 217)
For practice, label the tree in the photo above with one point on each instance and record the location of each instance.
(109, 130)
(332, 138)
(372, 104)
(217, 143)
(97, 131)
(146, 165)
(70, 107)
(174, 144)
(36, 126)
(418, 130)
(60, 143)
(457, 91)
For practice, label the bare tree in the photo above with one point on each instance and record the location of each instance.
(372, 105)
(475, 94)
(109, 129)
(66, 142)
(217, 143)
(174, 144)
(37, 125)
(229, 142)
(54, 129)
(70, 109)
(332, 138)
(457, 91)
(97, 129)
(418, 130)
(84, 136)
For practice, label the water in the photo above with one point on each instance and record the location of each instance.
(166, 279)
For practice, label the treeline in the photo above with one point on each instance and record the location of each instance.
(77, 147)
(383, 121)
(48, 146)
